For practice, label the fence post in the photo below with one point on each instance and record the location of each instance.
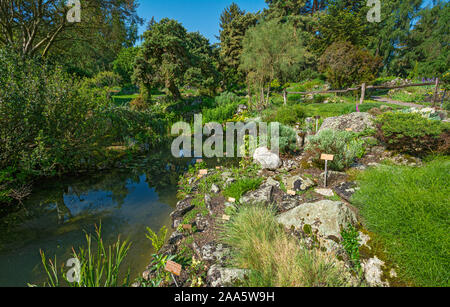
(363, 93)
(285, 96)
(436, 93)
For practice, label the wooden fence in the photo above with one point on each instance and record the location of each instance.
(364, 87)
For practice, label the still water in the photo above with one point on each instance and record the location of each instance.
(60, 211)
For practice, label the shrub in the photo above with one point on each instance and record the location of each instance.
(342, 144)
(105, 79)
(220, 114)
(286, 115)
(227, 98)
(274, 258)
(408, 209)
(287, 138)
(410, 132)
(346, 64)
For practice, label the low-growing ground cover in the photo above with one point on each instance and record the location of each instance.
(409, 209)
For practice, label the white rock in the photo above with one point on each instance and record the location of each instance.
(267, 159)
(325, 192)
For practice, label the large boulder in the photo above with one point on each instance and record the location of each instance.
(358, 122)
(267, 159)
(298, 183)
(325, 218)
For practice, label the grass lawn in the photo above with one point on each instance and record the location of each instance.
(409, 208)
(121, 100)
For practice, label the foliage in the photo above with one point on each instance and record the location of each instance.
(98, 268)
(410, 132)
(234, 24)
(158, 239)
(286, 115)
(272, 50)
(226, 98)
(242, 186)
(350, 242)
(104, 79)
(345, 146)
(410, 213)
(221, 113)
(346, 65)
(274, 258)
(123, 65)
(287, 138)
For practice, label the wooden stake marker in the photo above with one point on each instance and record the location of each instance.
(203, 172)
(199, 160)
(226, 217)
(327, 158)
(231, 200)
(174, 269)
(349, 130)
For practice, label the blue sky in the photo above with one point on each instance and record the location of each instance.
(195, 15)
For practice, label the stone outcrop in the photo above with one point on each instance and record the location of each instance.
(358, 122)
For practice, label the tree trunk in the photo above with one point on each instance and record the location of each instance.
(173, 89)
(363, 93)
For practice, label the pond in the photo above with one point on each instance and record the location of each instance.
(60, 211)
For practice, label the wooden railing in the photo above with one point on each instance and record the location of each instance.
(363, 87)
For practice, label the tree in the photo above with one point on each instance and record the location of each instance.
(163, 58)
(271, 50)
(123, 65)
(428, 45)
(202, 72)
(234, 23)
(36, 26)
(346, 64)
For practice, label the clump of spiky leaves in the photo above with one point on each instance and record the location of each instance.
(276, 259)
(158, 239)
(99, 266)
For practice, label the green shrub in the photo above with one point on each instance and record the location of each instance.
(410, 132)
(242, 186)
(227, 98)
(342, 144)
(286, 115)
(221, 113)
(408, 208)
(287, 138)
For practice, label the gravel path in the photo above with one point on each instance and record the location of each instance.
(399, 103)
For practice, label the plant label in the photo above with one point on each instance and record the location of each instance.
(203, 172)
(199, 160)
(173, 267)
(226, 217)
(187, 227)
(327, 157)
(292, 193)
(232, 200)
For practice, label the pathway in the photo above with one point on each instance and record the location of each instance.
(399, 103)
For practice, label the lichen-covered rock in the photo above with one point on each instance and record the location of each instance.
(263, 195)
(326, 218)
(373, 272)
(298, 183)
(215, 189)
(225, 277)
(346, 190)
(325, 192)
(358, 122)
(215, 252)
(267, 159)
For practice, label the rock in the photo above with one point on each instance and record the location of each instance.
(358, 122)
(175, 238)
(225, 277)
(346, 190)
(263, 195)
(298, 183)
(242, 108)
(215, 189)
(385, 108)
(182, 208)
(289, 165)
(267, 159)
(229, 181)
(208, 203)
(215, 253)
(201, 222)
(325, 192)
(326, 218)
(373, 272)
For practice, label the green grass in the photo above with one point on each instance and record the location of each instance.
(121, 100)
(242, 186)
(408, 208)
(274, 258)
